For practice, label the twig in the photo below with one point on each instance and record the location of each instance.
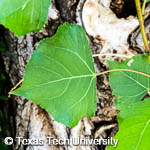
(141, 21)
(109, 54)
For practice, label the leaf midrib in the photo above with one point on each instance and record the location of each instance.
(140, 138)
(62, 79)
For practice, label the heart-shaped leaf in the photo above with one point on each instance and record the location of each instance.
(60, 76)
(24, 16)
(134, 84)
(134, 127)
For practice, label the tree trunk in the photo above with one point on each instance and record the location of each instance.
(28, 120)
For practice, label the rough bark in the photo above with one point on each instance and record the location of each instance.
(31, 121)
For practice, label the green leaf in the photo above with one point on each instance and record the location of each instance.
(127, 84)
(24, 16)
(134, 127)
(60, 76)
(121, 101)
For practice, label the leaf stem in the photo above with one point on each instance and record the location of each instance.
(143, 7)
(141, 21)
(129, 70)
(14, 87)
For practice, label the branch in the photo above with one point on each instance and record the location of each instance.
(141, 21)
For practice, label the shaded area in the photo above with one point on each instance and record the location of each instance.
(123, 8)
(5, 104)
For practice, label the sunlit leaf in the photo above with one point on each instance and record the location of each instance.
(134, 127)
(24, 16)
(128, 84)
(60, 76)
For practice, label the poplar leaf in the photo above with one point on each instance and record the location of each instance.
(60, 76)
(24, 16)
(128, 84)
(134, 127)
